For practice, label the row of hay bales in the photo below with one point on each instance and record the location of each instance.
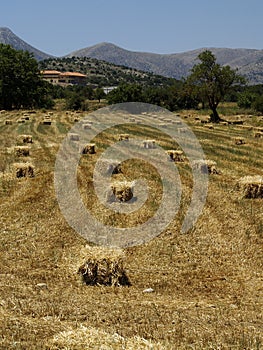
(23, 169)
(248, 186)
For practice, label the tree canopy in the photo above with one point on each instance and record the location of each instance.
(21, 84)
(212, 81)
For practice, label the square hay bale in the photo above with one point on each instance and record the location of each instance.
(239, 140)
(205, 166)
(87, 126)
(124, 137)
(8, 122)
(251, 186)
(73, 137)
(76, 120)
(104, 267)
(89, 149)
(223, 123)
(258, 134)
(47, 122)
(23, 170)
(21, 151)
(109, 166)
(175, 155)
(21, 120)
(25, 138)
(149, 144)
(120, 191)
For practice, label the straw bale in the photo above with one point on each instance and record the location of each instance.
(22, 120)
(124, 137)
(109, 166)
(206, 166)
(251, 186)
(103, 266)
(47, 121)
(89, 149)
(120, 191)
(258, 134)
(149, 144)
(87, 126)
(21, 151)
(23, 170)
(175, 155)
(239, 141)
(8, 122)
(25, 138)
(73, 137)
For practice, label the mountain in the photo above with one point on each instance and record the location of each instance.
(249, 62)
(8, 37)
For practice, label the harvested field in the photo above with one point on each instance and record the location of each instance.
(206, 285)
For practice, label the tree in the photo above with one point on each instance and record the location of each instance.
(99, 94)
(213, 81)
(21, 84)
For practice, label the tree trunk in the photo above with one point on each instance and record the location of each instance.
(214, 117)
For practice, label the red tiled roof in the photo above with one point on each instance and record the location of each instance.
(72, 74)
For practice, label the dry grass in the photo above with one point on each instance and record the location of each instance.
(207, 283)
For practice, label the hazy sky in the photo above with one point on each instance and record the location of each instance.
(59, 27)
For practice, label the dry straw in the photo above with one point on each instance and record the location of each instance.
(23, 170)
(25, 138)
(89, 149)
(239, 141)
(175, 155)
(251, 186)
(21, 151)
(124, 137)
(103, 266)
(73, 137)
(149, 144)
(120, 191)
(206, 166)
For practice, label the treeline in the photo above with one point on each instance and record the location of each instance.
(22, 86)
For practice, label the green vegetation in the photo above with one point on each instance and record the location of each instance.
(21, 85)
(212, 81)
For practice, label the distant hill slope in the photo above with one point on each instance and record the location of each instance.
(9, 38)
(248, 61)
(104, 73)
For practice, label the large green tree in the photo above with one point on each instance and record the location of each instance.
(21, 84)
(212, 81)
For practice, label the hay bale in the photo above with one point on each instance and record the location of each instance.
(209, 126)
(73, 137)
(223, 123)
(258, 134)
(124, 137)
(22, 120)
(109, 166)
(239, 140)
(251, 186)
(87, 126)
(149, 144)
(21, 151)
(25, 138)
(89, 149)
(175, 155)
(205, 166)
(8, 122)
(23, 170)
(120, 191)
(104, 267)
(47, 122)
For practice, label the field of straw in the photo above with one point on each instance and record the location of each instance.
(198, 290)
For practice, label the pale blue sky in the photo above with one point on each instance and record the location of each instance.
(59, 27)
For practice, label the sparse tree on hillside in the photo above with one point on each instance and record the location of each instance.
(213, 81)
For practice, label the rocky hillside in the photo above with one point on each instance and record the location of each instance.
(178, 65)
(8, 37)
(103, 73)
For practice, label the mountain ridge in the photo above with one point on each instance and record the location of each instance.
(249, 62)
